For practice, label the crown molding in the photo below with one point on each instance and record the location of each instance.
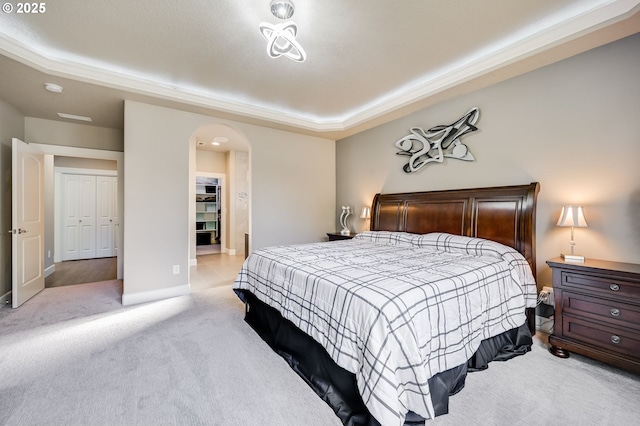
(517, 48)
(510, 52)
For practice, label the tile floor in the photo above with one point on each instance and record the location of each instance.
(214, 270)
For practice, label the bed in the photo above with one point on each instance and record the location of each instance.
(385, 327)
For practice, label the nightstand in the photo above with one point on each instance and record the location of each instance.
(335, 236)
(597, 311)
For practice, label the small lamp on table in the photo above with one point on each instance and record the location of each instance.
(365, 214)
(574, 217)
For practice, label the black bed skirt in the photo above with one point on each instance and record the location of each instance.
(338, 387)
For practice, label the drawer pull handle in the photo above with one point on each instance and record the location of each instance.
(614, 287)
(615, 339)
(615, 312)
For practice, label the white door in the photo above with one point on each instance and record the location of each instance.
(116, 221)
(79, 213)
(104, 216)
(27, 216)
(87, 214)
(71, 225)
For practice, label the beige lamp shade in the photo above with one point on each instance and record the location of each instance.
(365, 213)
(572, 216)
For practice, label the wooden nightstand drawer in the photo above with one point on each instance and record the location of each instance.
(610, 286)
(597, 311)
(611, 311)
(603, 336)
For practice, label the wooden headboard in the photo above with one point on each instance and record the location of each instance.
(506, 214)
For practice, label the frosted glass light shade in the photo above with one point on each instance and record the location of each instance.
(282, 9)
(365, 213)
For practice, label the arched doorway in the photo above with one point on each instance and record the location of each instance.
(220, 155)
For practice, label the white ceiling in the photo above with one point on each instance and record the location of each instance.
(368, 61)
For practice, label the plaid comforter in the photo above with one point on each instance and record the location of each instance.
(395, 308)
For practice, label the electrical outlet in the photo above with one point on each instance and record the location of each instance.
(549, 299)
(176, 269)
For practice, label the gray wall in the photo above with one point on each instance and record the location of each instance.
(292, 199)
(211, 162)
(573, 126)
(241, 200)
(52, 132)
(84, 163)
(295, 201)
(11, 126)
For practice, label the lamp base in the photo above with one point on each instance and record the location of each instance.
(345, 231)
(572, 258)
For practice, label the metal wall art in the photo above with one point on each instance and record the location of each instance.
(424, 147)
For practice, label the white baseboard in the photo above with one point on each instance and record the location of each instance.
(152, 295)
(231, 252)
(193, 262)
(50, 270)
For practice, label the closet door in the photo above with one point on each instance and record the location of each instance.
(105, 216)
(87, 204)
(116, 221)
(79, 213)
(71, 225)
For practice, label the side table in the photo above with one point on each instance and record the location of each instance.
(335, 236)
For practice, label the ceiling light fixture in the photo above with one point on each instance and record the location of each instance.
(74, 117)
(55, 88)
(281, 38)
(282, 9)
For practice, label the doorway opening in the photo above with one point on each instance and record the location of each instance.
(219, 164)
(209, 217)
(82, 242)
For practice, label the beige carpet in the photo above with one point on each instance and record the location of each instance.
(74, 356)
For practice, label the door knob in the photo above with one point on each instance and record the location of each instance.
(18, 231)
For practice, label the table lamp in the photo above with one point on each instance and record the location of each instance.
(572, 216)
(365, 214)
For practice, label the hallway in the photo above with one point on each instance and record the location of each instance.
(213, 270)
(72, 272)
